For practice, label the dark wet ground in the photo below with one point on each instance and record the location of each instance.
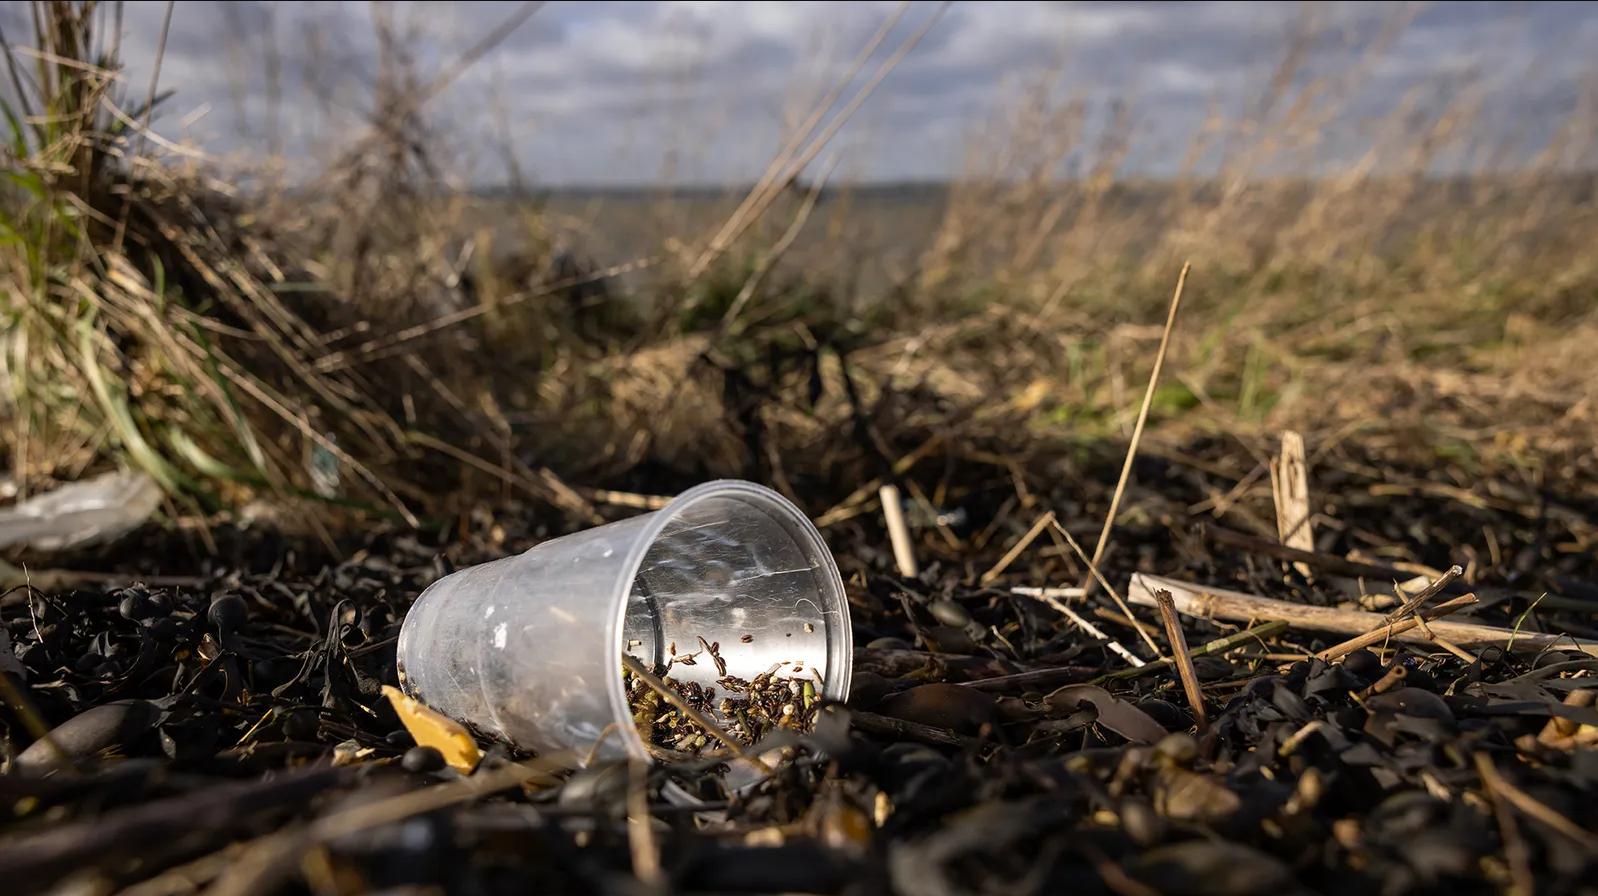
(231, 736)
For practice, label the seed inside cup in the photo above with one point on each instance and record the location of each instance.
(745, 710)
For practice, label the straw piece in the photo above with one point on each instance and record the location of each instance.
(1184, 661)
(903, 555)
(1205, 601)
(1014, 552)
(671, 696)
(1048, 596)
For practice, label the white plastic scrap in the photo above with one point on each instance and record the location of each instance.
(93, 511)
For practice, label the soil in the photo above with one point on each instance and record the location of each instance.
(229, 734)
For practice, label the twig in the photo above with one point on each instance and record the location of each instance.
(1515, 851)
(277, 849)
(1184, 661)
(872, 723)
(1195, 600)
(1137, 430)
(1219, 645)
(849, 507)
(1444, 643)
(757, 203)
(1009, 556)
(1426, 594)
(1093, 569)
(1532, 807)
(415, 99)
(758, 275)
(628, 499)
(1066, 593)
(1034, 677)
(1290, 494)
(1387, 629)
(640, 839)
(671, 696)
(899, 533)
(1044, 595)
(1340, 566)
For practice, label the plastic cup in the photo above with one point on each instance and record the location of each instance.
(527, 649)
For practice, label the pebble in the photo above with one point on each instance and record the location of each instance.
(422, 760)
(228, 612)
(1364, 664)
(135, 605)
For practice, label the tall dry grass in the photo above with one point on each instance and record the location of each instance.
(441, 345)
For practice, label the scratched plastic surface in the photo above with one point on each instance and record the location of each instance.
(528, 648)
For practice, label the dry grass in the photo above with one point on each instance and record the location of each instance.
(219, 340)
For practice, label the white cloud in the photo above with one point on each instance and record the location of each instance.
(602, 91)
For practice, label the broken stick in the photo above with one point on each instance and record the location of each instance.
(1220, 603)
(1184, 661)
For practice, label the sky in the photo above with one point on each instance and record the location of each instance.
(607, 93)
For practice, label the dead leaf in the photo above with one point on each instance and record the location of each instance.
(429, 728)
(1114, 713)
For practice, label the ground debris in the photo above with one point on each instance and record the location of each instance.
(235, 731)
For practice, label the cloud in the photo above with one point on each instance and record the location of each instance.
(605, 92)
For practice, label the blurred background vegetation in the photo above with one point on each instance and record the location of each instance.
(244, 334)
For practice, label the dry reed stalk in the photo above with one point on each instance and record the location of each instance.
(1290, 494)
(1220, 603)
(1137, 431)
(1180, 656)
(1391, 627)
(1093, 569)
(903, 552)
(998, 568)
(741, 219)
(1048, 596)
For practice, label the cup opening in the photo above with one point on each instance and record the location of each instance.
(732, 595)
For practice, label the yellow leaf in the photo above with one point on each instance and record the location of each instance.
(432, 729)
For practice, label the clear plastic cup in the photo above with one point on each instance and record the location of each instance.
(528, 648)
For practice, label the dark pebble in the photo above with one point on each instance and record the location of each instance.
(422, 760)
(160, 605)
(1364, 664)
(399, 739)
(89, 732)
(228, 612)
(134, 607)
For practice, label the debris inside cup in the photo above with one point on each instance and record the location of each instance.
(747, 710)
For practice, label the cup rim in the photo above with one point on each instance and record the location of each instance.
(839, 636)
